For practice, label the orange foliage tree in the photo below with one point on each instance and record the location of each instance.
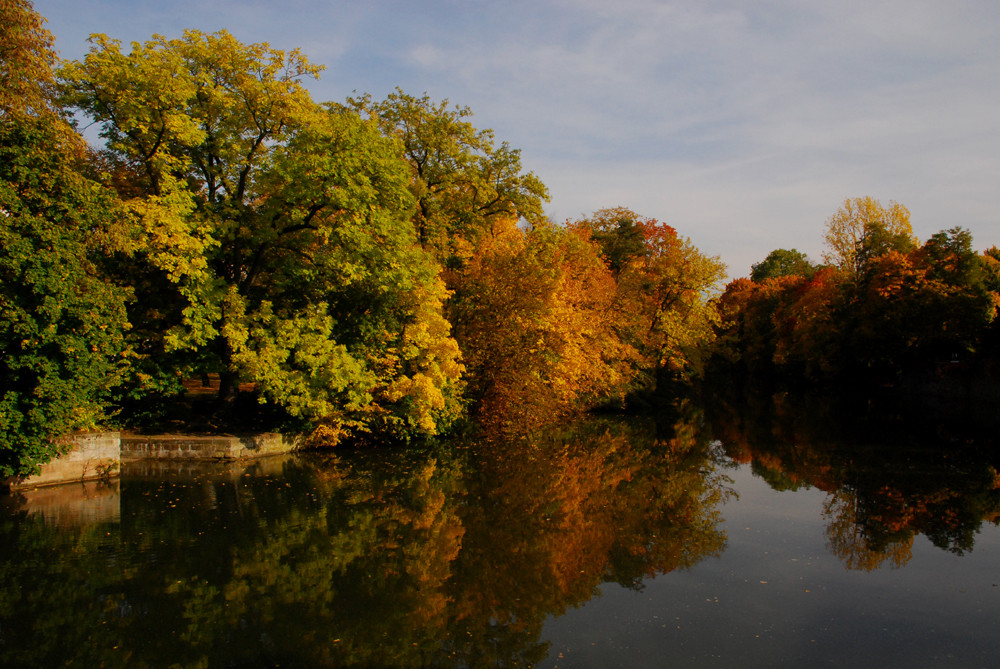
(661, 308)
(530, 313)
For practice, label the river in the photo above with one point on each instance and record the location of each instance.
(704, 539)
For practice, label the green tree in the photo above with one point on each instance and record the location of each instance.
(61, 321)
(619, 235)
(463, 183)
(277, 230)
(782, 262)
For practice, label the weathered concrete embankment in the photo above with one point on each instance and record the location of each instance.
(81, 503)
(101, 455)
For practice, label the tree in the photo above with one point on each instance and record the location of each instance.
(619, 235)
(26, 59)
(782, 262)
(747, 332)
(862, 230)
(531, 314)
(61, 321)
(661, 308)
(463, 183)
(275, 231)
(809, 336)
(470, 195)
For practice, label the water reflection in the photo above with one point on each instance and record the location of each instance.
(890, 475)
(449, 555)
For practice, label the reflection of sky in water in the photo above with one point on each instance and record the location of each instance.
(777, 596)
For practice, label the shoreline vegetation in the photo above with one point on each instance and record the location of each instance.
(367, 271)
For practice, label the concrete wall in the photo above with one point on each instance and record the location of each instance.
(221, 447)
(100, 455)
(93, 455)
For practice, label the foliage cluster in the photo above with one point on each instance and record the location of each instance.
(886, 308)
(373, 269)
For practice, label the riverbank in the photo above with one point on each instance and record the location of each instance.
(100, 455)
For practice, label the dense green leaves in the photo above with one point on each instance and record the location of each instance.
(782, 262)
(463, 183)
(60, 322)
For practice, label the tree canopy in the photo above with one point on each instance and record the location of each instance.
(782, 262)
(27, 57)
(463, 183)
(278, 229)
(61, 320)
(888, 310)
(862, 229)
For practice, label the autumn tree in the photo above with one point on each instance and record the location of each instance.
(893, 309)
(272, 233)
(747, 331)
(932, 304)
(862, 230)
(663, 286)
(27, 57)
(531, 315)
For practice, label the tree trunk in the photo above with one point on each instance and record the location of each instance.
(229, 389)
(229, 382)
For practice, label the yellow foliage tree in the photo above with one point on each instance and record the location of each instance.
(862, 229)
(26, 59)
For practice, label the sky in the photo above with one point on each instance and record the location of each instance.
(743, 124)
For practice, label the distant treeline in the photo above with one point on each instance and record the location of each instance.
(884, 309)
(360, 270)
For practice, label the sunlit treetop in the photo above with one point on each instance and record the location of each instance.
(26, 59)
(464, 183)
(862, 230)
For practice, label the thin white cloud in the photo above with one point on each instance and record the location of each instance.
(745, 125)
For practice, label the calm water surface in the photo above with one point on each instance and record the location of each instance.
(700, 541)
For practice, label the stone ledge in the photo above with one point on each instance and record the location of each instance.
(215, 447)
(93, 455)
(99, 455)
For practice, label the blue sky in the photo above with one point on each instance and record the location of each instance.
(743, 124)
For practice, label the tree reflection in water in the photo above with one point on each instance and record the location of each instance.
(449, 554)
(890, 475)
